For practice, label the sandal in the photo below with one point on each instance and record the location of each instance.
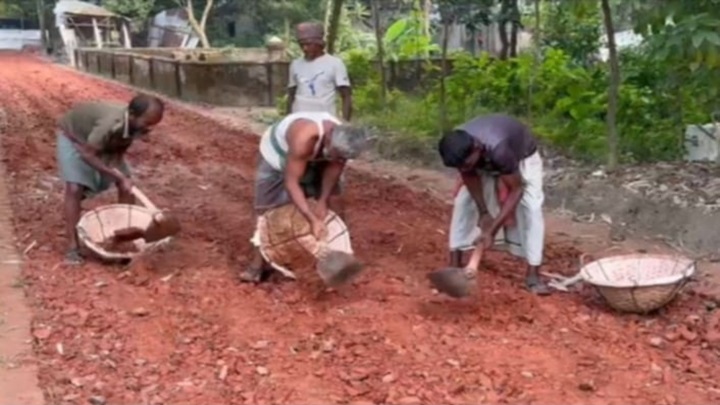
(73, 257)
(537, 286)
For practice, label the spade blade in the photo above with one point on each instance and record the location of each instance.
(453, 281)
(337, 268)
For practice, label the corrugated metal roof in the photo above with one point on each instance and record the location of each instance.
(82, 8)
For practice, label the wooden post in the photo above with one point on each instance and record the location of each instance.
(269, 73)
(112, 65)
(96, 31)
(151, 71)
(131, 69)
(178, 79)
(126, 35)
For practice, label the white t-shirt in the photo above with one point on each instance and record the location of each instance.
(316, 82)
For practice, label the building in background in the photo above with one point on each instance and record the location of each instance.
(171, 29)
(84, 25)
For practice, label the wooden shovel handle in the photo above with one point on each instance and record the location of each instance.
(144, 200)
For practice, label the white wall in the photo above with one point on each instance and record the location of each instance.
(16, 39)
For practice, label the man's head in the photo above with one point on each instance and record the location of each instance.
(346, 142)
(311, 38)
(459, 150)
(144, 112)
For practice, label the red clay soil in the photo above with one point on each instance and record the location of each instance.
(178, 328)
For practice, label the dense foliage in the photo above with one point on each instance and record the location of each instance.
(668, 82)
(565, 103)
(559, 85)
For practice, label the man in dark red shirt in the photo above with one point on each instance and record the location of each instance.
(486, 150)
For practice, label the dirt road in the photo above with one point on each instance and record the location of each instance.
(178, 328)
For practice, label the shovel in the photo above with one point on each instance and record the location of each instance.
(161, 227)
(457, 282)
(335, 267)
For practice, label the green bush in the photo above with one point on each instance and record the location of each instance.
(565, 103)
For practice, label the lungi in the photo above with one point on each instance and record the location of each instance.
(527, 237)
(74, 169)
(270, 189)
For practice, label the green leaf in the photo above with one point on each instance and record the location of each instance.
(396, 30)
(698, 39)
(712, 37)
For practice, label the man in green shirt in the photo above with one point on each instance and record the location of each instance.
(91, 143)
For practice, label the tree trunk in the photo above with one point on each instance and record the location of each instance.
(515, 21)
(427, 10)
(502, 29)
(326, 20)
(443, 102)
(536, 39)
(41, 25)
(504, 43)
(513, 40)
(199, 27)
(334, 25)
(380, 50)
(537, 35)
(613, 91)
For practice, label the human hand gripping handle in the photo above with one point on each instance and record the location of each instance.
(471, 268)
(319, 229)
(128, 185)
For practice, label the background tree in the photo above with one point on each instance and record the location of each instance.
(614, 88)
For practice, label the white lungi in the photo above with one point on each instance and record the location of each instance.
(526, 239)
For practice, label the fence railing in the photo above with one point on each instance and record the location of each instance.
(225, 83)
(237, 84)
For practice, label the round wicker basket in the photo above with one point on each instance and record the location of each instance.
(287, 243)
(638, 283)
(97, 226)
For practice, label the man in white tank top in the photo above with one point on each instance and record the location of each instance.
(303, 155)
(316, 77)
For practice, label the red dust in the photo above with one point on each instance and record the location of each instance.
(176, 327)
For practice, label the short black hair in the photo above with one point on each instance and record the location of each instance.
(143, 102)
(455, 147)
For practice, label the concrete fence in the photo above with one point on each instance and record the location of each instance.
(238, 84)
(230, 83)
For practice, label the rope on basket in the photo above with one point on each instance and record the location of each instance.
(294, 238)
(102, 226)
(129, 215)
(602, 270)
(634, 298)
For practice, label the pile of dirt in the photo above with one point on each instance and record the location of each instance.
(115, 246)
(178, 328)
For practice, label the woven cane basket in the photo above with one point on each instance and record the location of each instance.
(638, 283)
(99, 225)
(287, 242)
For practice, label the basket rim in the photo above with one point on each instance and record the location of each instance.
(90, 244)
(689, 264)
(113, 206)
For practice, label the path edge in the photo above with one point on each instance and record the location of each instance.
(19, 383)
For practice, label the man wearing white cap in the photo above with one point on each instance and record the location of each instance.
(316, 77)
